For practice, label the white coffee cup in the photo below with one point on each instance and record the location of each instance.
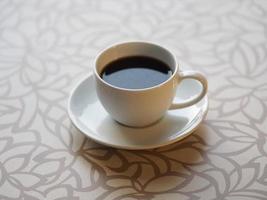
(142, 107)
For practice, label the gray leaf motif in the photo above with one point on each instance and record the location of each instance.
(233, 98)
(244, 58)
(34, 70)
(8, 113)
(228, 137)
(28, 111)
(13, 166)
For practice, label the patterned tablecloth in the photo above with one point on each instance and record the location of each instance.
(47, 46)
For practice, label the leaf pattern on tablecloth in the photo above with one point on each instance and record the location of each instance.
(46, 47)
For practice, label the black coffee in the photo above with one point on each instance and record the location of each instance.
(136, 72)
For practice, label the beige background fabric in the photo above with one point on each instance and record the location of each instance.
(47, 46)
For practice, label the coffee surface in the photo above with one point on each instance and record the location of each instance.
(136, 72)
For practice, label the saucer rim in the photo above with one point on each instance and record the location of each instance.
(185, 133)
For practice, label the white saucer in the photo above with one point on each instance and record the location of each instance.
(88, 115)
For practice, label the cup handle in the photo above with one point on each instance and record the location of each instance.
(191, 75)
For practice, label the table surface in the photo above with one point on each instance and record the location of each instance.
(46, 47)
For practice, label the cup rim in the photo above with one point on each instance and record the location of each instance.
(139, 89)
